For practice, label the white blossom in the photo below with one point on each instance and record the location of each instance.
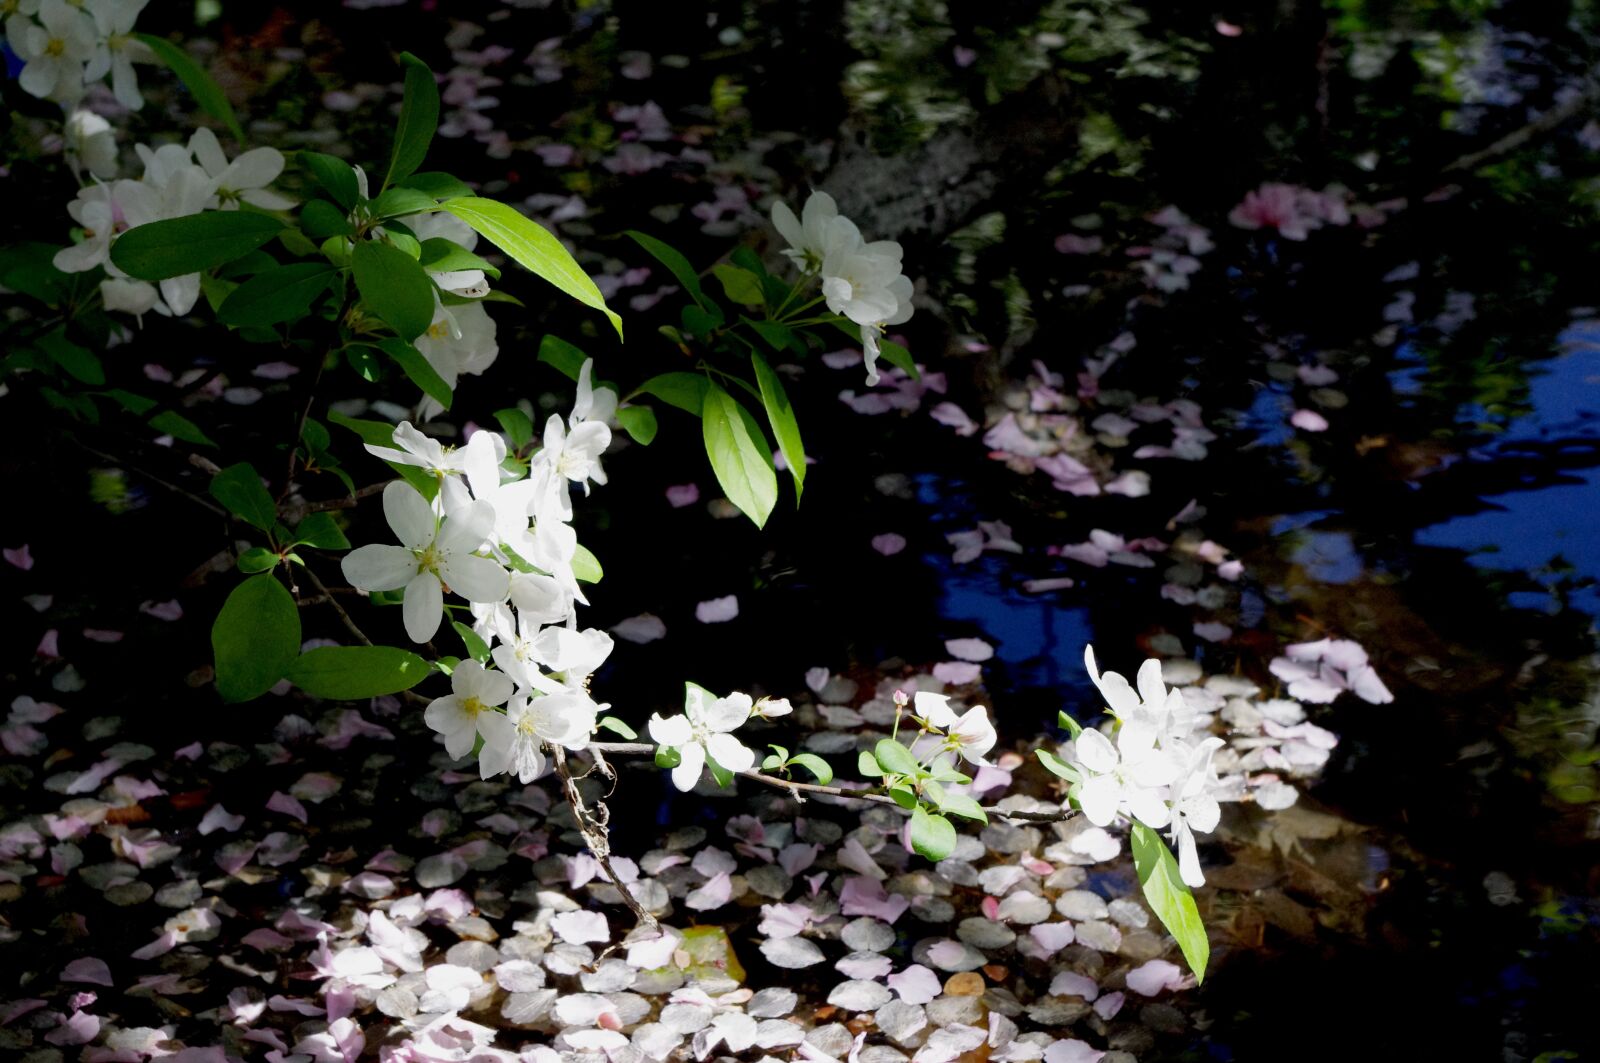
(245, 179)
(432, 553)
(462, 714)
(55, 50)
(704, 731)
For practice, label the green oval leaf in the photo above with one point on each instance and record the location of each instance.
(686, 391)
(255, 638)
(895, 758)
(161, 249)
(744, 470)
(585, 566)
(639, 422)
(1169, 898)
(740, 285)
(238, 488)
(932, 836)
(394, 287)
(321, 219)
(398, 202)
(257, 559)
(780, 415)
(419, 117)
(818, 767)
(534, 247)
(284, 293)
(337, 177)
(352, 673)
(206, 92)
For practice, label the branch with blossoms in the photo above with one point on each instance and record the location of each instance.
(384, 277)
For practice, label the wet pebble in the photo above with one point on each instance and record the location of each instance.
(948, 1011)
(983, 933)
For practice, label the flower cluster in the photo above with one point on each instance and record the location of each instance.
(947, 735)
(67, 45)
(1157, 771)
(178, 180)
(497, 534)
(860, 280)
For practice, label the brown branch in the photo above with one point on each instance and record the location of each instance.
(348, 501)
(592, 825)
(327, 595)
(797, 788)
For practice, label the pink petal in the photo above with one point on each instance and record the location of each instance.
(889, 543)
(282, 802)
(89, 969)
(717, 610)
(681, 495)
(957, 673)
(969, 649)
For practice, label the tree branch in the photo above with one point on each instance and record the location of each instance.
(796, 788)
(592, 826)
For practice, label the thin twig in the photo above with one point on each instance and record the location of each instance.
(1545, 123)
(348, 501)
(153, 478)
(350, 625)
(642, 749)
(593, 828)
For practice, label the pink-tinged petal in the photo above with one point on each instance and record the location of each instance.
(408, 514)
(79, 1029)
(289, 806)
(1309, 421)
(581, 927)
(1052, 938)
(1368, 687)
(714, 894)
(424, 606)
(477, 579)
(168, 610)
(889, 543)
(916, 984)
(218, 818)
(969, 649)
(717, 610)
(159, 947)
(90, 969)
(646, 627)
(681, 495)
(376, 567)
(1072, 1051)
(20, 556)
(1153, 977)
(1072, 984)
(957, 673)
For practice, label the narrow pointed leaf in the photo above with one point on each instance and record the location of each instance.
(780, 415)
(1169, 897)
(744, 472)
(419, 118)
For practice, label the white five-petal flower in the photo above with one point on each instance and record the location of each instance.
(432, 554)
(702, 731)
(464, 713)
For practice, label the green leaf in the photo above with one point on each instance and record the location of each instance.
(778, 337)
(337, 177)
(961, 805)
(932, 836)
(399, 202)
(1057, 766)
(381, 434)
(440, 255)
(896, 758)
(257, 559)
(818, 767)
(616, 726)
(903, 795)
(1169, 897)
(639, 422)
(686, 391)
(281, 294)
(517, 426)
(238, 488)
(353, 673)
(534, 247)
(741, 286)
(565, 357)
(898, 357)
(255, 638)
(586, 566)
(321, 531)
(772, 762)
(701, 322)
(206, 92)
(394, 287)
(161, 249)
(476, 647)
(437, 185)
(1068, 724)
(676, 264)
(867, 764)
(79, 362)
(780, 415)
(417, 369)
(720, 775)
(419, 117)
(30, 268)
(668, 757)
(743, 470)
(176, 425)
